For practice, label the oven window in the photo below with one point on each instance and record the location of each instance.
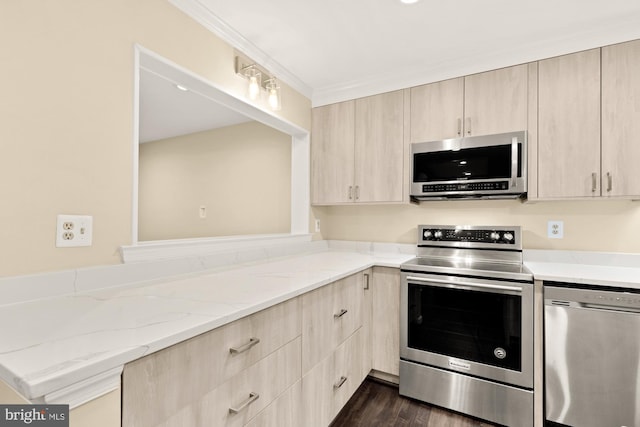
(470, 163)
(477, 326)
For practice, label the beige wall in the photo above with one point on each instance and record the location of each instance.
(609, 226)
(67, 117)
(241, 174)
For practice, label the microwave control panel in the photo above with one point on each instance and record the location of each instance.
(466, 186)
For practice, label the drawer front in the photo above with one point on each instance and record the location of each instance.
(237, 401)
(348, 370)
(330, 315)
(185, 372)
(285, 411)
(348, 298)
(330, 384)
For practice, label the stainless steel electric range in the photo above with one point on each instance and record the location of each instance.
(466, 326)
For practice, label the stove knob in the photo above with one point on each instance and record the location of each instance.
(427, 234)
(437, 234)
(508, 236)
(495, 236)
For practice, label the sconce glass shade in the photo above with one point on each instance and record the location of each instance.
(254, 82)
(274, 97)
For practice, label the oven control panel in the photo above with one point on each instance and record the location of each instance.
(469, 235)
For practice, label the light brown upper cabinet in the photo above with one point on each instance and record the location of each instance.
(569, 126)
(621, 120)
(332, 153)
(479, 104)
(357, 151)
(437, 110)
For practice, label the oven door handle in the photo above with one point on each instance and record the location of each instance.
(466, 285)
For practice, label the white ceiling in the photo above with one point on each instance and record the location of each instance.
(333, 50)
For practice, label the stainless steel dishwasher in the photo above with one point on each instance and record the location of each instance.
(592, 356)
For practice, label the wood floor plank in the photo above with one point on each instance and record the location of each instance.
(375, 404)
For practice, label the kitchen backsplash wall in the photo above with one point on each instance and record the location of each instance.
(608, 226)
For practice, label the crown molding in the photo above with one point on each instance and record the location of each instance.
(200, 13)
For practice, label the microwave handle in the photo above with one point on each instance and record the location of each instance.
(514, 161)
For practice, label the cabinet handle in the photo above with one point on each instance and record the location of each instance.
(609, 181)
(252, 398)
(594, 182)
(357, 192)
(339, 383)
(247, 346)
(351, 192)
(468, 125)
(459, 126)
(339, 315)
(366, 281)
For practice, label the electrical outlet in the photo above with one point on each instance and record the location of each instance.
(202, 212)
(317, 225)
(555, 229)
(74, 230)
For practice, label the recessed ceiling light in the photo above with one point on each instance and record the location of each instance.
(409, 1)
(182, 88)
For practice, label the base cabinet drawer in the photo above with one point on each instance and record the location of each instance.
(237, 401)
(285, 411)
(180, 376)
(330, 384)
(329, 315)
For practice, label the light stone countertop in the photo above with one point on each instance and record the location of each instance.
(71, 348)
(64, 341)
(592, 268)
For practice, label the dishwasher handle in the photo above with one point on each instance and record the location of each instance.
(622, 301)
(591, 306)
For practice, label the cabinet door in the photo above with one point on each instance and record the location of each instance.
(437, 110)
(621, 119)
(330, 315)
(569, 125)
(379, 148)
(496, 101)
(329, 385)
(386, 320)
(332, 151)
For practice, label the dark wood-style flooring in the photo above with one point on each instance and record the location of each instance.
(379, 404)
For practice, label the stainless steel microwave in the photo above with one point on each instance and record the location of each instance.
(487, 166)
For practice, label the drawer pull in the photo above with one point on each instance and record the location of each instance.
(247, 346)
(339, 315)
(252, 398)
(339, 383)
(366, 281)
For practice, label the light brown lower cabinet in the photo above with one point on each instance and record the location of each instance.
(329, 385)
(293, 364)
(385, 321)
(285, 411)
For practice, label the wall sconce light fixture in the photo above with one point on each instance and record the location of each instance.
(256, 84)
(273, 94)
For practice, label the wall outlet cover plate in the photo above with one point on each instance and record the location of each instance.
(74, 230)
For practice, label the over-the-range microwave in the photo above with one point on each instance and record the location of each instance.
(487, 166)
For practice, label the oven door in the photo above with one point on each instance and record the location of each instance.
(479, 327)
